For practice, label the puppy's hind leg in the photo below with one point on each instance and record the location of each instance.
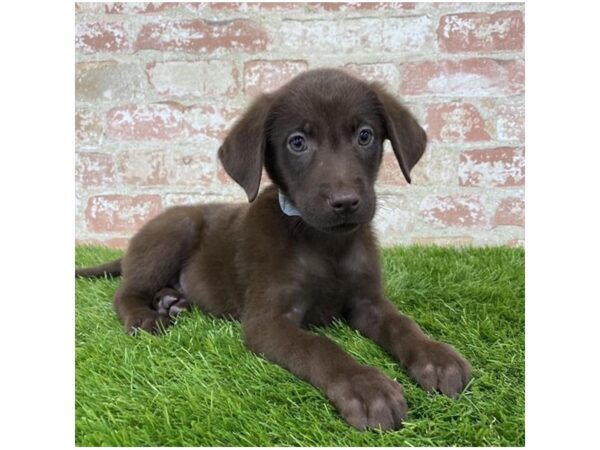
(154, 259)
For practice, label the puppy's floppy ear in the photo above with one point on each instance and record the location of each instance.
(243, 151)
(404, 132)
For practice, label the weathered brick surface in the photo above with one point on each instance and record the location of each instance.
(395, 217)
(511, 211)
(108, 81)
(106, 37)
(138, 8)
(471, 32)
(200, 36)
(475, 77)
(94, 169)
(395, 34)
(140, 168)
(491, 168)
(252, 6)
(144, 122)
(209, 121)
(444, 240)
(384, 73)
(106, 213)
(158, 85)
(360, 6)
(194, 78)
(266, 76)
(455, 122)
(89, 127)
(459, 211)
(510, 122)
(192, 169)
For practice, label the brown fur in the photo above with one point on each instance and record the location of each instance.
(278, 274)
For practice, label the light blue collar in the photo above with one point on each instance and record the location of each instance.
(286, 205)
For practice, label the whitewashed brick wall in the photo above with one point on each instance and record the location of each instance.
(159, 84)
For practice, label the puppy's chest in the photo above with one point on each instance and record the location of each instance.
(327, 283)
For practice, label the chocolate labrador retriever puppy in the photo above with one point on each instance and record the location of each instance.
(302, 252)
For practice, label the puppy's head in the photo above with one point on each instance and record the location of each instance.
(320, 138)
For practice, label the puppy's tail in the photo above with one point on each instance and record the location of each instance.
(112, 269)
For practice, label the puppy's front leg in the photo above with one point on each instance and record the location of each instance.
(434, 365)
(364, 396)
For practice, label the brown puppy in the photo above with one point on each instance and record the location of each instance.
(303, 252)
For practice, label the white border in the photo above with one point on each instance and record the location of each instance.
(562, 223)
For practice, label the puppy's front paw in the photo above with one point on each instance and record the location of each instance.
(146, 320)
(437, 366)
(369, 399)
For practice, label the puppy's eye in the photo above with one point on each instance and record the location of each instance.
(365, 136)
(297, 143)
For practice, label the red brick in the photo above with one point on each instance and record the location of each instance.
(385, 73)
(453, 211)
(112, 213)
(277, 6)
(476, 77)
(257, 6)
(504, 166)
(389, 172)
(313, 6)
(395, 217)
(511, 211)
(438, 167)
(157, 121)
(197, 6)
(202, 36)
(94, 169)
(193, 198)
(318, 36)
(359, 6)
(88, 127)
(101, 37)
(510, 123)
(138, 8)
(455, 122)
(209, 122)
(194, 78)
(192, 169)
(89, 8)
(401, 35)
(109, 81)
(265, 76)
(473, 32)
(143, 168)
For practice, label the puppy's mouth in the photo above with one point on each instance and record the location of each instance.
(342, 228)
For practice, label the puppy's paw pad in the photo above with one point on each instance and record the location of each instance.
(170, 302)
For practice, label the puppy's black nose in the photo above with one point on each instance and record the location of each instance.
(344, 202)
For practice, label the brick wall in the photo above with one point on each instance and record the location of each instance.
(159, 84)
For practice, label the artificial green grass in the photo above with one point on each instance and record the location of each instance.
(198, 386)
